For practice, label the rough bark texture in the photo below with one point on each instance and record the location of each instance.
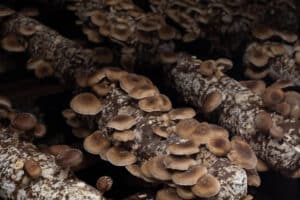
(54, 182)
(237, 113)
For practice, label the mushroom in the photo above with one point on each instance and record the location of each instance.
(92, 35)
(224, 64)
(5, 102)
(212, 101)
(181, 113)
(167, 194)
(241, 154)
(115, 74)
(256, 74)
(4, 11)
(256, 86)
(104, 184)
(120, 157)
(102, 89)
(123, 136)
(155, 103)
(201, 134)
(96, 77)
(185, 193)
(135, 170)
(143, 91)
(39, 130)
(158, 170)
(253, 178)
(96, 143)
(86, 104)
(263, 122)
(27, 29)
(130, 81)
(207, 68)
(24, 121)
(80, 132)
(168, 57)
(183, 148)
(120, 31)
(273, 96)
(186, 127)
(43, 70)
(13, 43)
(32, 168)
(262, 32)
(167, 32)
(261, 166)
(122, 122)
(219, 146)
(57, 149)
(97, 17)
(69, 158)
(257, 56)
(161, 131)
(207, 186)
(30, 12)
(178, 163)
(189, 177)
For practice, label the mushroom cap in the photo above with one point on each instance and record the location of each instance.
(30, 12)
(114, 73)
(207, 186)
(143, 91)
(120, 31)
(263, 122)
(242, 154)
(167, 194)
(261, 166)
(24, 121)
(96, 143)
(201, 134)
(256, 75)
(178, 163)
(207, 68)
(189, 177)
(130, 81)
(168, 57)
(212, 101)
(145, 169)
(224, 64)
(57, 149)
(39, 130)
(97, 17)
(104, 184)
(262, 32)
(4, 11)
(27, 29)
(96, 77)
(256, 86)
(32, 168)
(273, 96)
(183, 148)
(4, 101)
(81, 132)
(122, 122)
(69, 158)
(185, 192)
(102, 89)
(253, 178)
(161, 131)
(219, 146)
(155, 103)
(134, 170)
(186, 127)
(43, 71)
(157, 168)
(120, 157)
(123, 136)
(167, 32)
(257, 56)
(13, 43)
(86, 104)
(182, 113)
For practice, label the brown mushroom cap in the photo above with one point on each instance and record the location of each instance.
(123, 136)
(97, 17)
(183, 148)
(57, 149)
(69, 158)
(122, 122)
(86, 104)
(261, 166)
(96, 143)
(13, 43)
(178, 163)
(120, 157)
(224, 64)
(5, 102)
(143, 91)
(24, 121)
(276, 132)
(81, 132)
(256, 75)
(201, 134)
(218, 145)
(273, 96)
(256, 86)
(157, 169)
(182, 113)
(27, 29)
(253, 178)
(186, 127)
(168, 57)
(32, 168)
(114, 74)
(39, 130)
(167, 32)
(130, 81)
(212, 101)
(257, 56)
(30, 12)
(185, 192)
(134, 170)
(104, 184)
(262, 32)
(155, 103)
(96, 77)
(161, 131)
(263, 122)
(120, 31)
(207, 68)
(4, 11)
(207, 186)
(167, 194)
(241, 154)
(189, 177)
(43, 70)
(102, 89)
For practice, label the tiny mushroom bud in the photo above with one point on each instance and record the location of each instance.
(13, 43)
(207, 186)
(122, 122)
(69, 158)
(86, 104)
(189, 177)
(155, 103)
(43, 70)
(96, 143)
(120, 157)
(24, 121)
(32, 168)
(167, 194)
(104, 184)
(212, 101)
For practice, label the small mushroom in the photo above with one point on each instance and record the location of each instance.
(24, 121)
(122, 122)
(161, 131)
(4, 101)
(189, 177)
(32, 168)
(155, 103)
(144, 91)
(97, 17)
(123, 136)
(224, 64)
(241, 154)
(43, 70)
(256, 86)
(69, 158)
(182, 113)
(212, 101)
(168, 57)
(92, 35)
(96, 77)
(178, 163)
(120, 157)
(80, 132)
(201, 134)
(219, 146)
(39, 130)
(30, 12)
(158, 170)
(115, 74)
(261, 166)
(183, 148)
(86, 104)
(276, 132)
(96, 143)
(13, 43)
(257, 56)
(256, 74)
(207, 186)
(273, 96)
(57, 149)
(130, 81)
(104, 184)
(186, 127)
(120, 31)
(167, 32)
(185, 193)
(134, 170)
(253, 178)
(27, 29)
(167, 194)
(207, 68)
(263, 122)
(262, 32)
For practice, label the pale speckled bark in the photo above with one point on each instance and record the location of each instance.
(54, 182)
(237, 113)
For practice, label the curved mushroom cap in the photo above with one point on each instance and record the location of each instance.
(182, 113)
(120, 31)
(5, 102)
(168, 57)
(130, 81)
(218, 145)
(212, 101)
(120, 157)
(273, 96)
(207, 68)
(96, 77)
(178, 163)
(263, 122)
(32, 168)
(69, 158)
(185, 192)
(183, 148)
(44, 70)
(145, 169)
(257, 56)
(207, 186)
(123, 136)
(81, 132)
(13, 43)
(86, 104)
(158, 170)
(253, 178)
(155, 103)
(201, 134)
(102, 89)
(140, 92)
(114, 74)
(189, 177)
(97, 17)
(122, 122)
(24, 121)
(104, 184)
(57, 149)
(186, 127)
(256, 75)
(241, 154)
(161, 131)
(224, 64)
(39, 130)
(261, 166)
(135, 170)
(256, 86)
(96, 143)
(167, 32)
(4, 11)
(30, 12)
(167, 194)
(27, 29)
(262, 32)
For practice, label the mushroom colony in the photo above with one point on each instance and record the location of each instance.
(149, 99)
